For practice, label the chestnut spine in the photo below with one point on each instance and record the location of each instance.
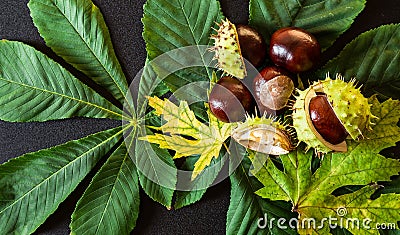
(227, 50)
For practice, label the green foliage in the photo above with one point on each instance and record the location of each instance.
(76, 31)
(310, 193)
(169, 25)
(373, 58)
(110, 205)
(324, 19)
(34, 184)
(35, 88)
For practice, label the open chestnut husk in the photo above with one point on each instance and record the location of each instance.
(329, 112)
(230, 100)
(294, 49)
(272, 88)
(252, 44)
(227, 50)
(265, 135)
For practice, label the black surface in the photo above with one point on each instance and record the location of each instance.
(123, 19)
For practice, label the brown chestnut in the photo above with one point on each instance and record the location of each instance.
(252, 44)
(325, 120)
(272, 88)
(230, 100)
(294, 49)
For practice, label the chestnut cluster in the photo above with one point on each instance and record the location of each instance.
(292, 50)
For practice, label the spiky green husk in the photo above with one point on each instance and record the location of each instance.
(350, 106)
(227, 50)
(264, 135)
(304, 132)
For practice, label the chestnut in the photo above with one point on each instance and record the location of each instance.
(294, 49)
(252, 44)
(325, 120)
(230, 100)
(272, 89)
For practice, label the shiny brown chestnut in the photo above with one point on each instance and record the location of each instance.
(272, 88)
(294, 49)
(252, 44)
(230, 100)
(325, 120)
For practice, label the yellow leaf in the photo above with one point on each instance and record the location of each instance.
(186, 135)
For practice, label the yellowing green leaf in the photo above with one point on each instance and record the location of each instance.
(355, 207)
(181, 123)
(311, 193)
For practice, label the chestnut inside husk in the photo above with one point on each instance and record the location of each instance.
(325, 120)
(230, 100)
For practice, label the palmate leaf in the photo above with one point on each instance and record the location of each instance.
(169, 25)
(76, 31)
(373, 58)
(34, 184)
(310, 193)
(247, 211)
(35, 88)
(110, 205)
(324, 19)
(207, 139)
(155, 167)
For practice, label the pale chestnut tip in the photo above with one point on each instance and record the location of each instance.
(276, 92)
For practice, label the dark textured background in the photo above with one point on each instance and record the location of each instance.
(123, 18)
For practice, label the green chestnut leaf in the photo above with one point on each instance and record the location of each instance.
(374, 62)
